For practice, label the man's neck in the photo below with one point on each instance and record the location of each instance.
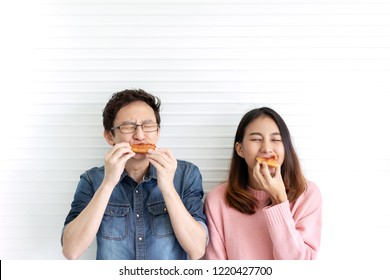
(137, 169)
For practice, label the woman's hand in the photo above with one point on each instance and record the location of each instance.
(271, 184)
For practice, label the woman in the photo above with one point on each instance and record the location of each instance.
(264, 212)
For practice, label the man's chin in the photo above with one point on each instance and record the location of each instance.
(139, 156)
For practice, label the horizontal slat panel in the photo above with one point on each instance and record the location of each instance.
(217, 31)
(250, 50)
(357, 20)
(205, 76)
(210, 65)
(210, 8)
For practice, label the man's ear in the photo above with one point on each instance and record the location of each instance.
(109, 137)
(238, 148)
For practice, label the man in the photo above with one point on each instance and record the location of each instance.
(139, 206)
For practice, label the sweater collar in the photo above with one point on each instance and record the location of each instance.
(259, 194)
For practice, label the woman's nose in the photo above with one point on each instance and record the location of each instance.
(266, 147)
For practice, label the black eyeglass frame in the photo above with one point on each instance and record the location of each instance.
(135, 127)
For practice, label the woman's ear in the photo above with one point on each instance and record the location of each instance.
(109, 137)
(238, 148)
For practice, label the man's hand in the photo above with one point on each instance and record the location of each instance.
(115, 161)
(165, 163)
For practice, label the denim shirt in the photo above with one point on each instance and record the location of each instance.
(136, 223)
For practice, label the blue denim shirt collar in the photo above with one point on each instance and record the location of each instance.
(150, 174)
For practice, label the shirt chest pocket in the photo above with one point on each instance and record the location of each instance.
(161, 223)
(115, 222)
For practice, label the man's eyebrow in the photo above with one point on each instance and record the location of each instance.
(132, 122)
(149, 121)
(127, 122)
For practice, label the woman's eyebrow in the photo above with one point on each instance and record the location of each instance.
(259, 134)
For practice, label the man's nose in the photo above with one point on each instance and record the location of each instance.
(139, 132)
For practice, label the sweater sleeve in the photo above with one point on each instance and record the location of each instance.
(215, 250)
(295, 229)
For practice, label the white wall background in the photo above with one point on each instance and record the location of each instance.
(323, 65)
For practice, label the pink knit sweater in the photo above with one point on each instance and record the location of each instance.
(287, 231)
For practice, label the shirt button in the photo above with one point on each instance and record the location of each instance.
(140, 238)
(136, 191)
(137, 215)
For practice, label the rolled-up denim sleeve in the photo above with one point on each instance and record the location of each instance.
(83, 195)
(193, 196)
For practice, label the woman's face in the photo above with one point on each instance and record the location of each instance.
(262, 138)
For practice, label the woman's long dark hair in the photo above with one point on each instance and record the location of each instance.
(238, 195)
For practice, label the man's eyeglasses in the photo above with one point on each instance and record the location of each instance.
(128, 128)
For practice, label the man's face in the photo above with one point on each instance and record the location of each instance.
(138, 113)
